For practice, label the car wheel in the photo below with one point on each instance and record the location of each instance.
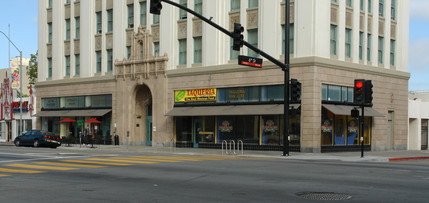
(36, 143)
(17, 143)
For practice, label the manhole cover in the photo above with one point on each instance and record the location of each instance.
(324, 196)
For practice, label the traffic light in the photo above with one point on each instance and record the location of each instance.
(368, 92)
(295, 90)
(359, 92)
(355, 113)
(237, 37)
(155, 7)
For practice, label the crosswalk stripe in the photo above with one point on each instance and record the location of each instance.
(126, 161)
(3, 175)
(8, 170)
(69, 164)
(40, 167)
(182, 158)
(98, 162)
(146, 159)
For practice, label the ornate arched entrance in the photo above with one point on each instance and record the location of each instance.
(143, 114)
(141, 94)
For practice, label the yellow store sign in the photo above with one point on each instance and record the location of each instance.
(195, 95)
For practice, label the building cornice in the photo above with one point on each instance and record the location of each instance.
(73, 81)
(295, 63)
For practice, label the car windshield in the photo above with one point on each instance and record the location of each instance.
(47, 133)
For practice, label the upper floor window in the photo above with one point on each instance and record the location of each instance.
(381, 8)
(253, 3)
(361, 5)
(130, 15)
(156, 19)
(182, 52)
(198, 50)
(67, 59)
(182, 13)
(369, 6)
(253, 40)
(99, 25)
(67, 29)
(291, 38)
(235, 4)
(110, 20)
(348, 45)
(143, 14)
(198, 6)
(368, 48)
(49, 67)
(49, 3)
(49, 32)
(77, 27)
(392, 52)
(333, 40)
(393, 10)
(380, 49)
(334, 93)
(361, 46)
(349, 3)
(98, 62)
(336, 1)
(77, 64)
(109, 60)
(156, 48)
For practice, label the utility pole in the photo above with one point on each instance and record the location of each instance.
(286, 81)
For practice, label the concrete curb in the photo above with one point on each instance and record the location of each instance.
(408, 158)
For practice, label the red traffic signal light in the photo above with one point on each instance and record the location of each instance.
(359, 92)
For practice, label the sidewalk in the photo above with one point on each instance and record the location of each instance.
(373, 156)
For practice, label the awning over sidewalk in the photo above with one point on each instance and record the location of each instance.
(271, 109)
(346, 110)
(83, 113)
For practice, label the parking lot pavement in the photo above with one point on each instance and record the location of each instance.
(369, 156)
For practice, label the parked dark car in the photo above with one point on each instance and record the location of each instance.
(38, 138)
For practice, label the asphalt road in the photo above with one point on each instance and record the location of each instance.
(60, 175)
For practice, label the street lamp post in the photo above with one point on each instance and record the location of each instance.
(20, 82)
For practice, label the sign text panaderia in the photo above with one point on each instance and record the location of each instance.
(195, 95)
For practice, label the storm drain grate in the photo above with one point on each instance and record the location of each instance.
(324, 196)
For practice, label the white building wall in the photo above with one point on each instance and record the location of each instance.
(311, 37)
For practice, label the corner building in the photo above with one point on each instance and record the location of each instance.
(173, 80)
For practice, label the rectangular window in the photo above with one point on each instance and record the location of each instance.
(98, 61)
(336, 1)
(156, 48)
(67, 29)
(253, 3)
(368, 48)
(198, 6)
(77, 64)
(182, 13)
(361, 5)
(333, 40)
(143, 14)
(49, 67)
(235, 5)
(349, 3)
(156, 19)
(130, 8)
(77, 27)
(182, 52)
(49, 3)
(128, 52)
(67, 1)
(198, 50)
(233, 55)
(49, 32)
(369, 6)
(291, 38)
(381, 8)
(253, 40)
(99, 25)
(392, 52)
(348, 45)
(361, 46)
(109, 60)
(380, 49)
(67, 65)
(110, 20)
(393, 10)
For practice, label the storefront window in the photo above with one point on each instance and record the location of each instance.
(270, 130)
(343, 130)
(327, 123)
(183, 129)
(225, 128)
(334, 93)
(206, 132)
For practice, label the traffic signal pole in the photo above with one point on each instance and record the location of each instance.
(362, 130)
(284, 66)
